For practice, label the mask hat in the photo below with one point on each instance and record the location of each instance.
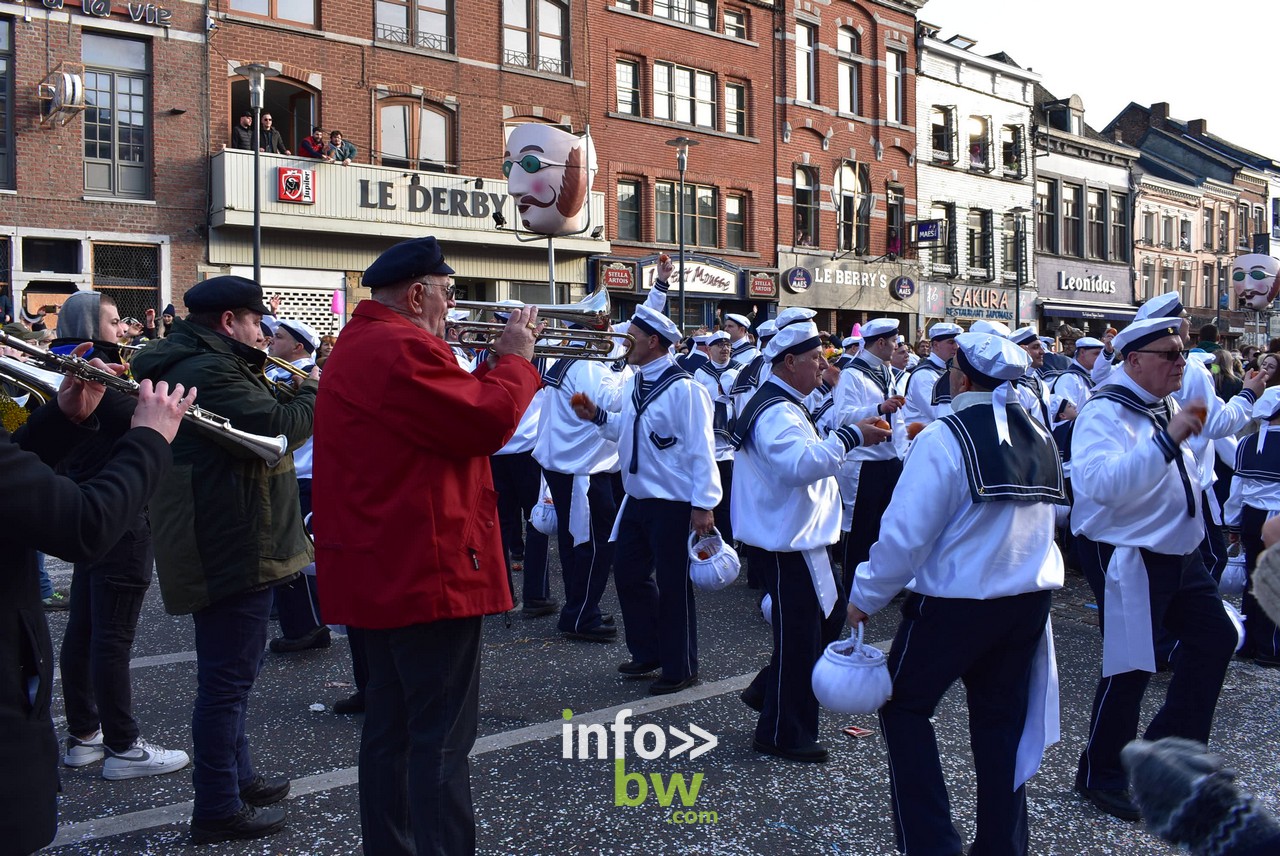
(879, 328)
(1167, 305)
(301, 331)
(1087, 342)
(655, 323)
(741, 320)
(798, 338)
(1023, 336)
(405, 261)
(1139, 334)
(222, 293)
(766, 331)
(995, 328)
(992, 361)
(942, 332)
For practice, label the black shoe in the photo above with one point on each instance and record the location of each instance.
(599, 633)
(810, 753)
(535, 608)
(1113, 801)
(249, 822)
(350, 705)
(317, 638)
(262, 791)
(633, 669)
(1266, 661)
(606, 618)
(753, 700)
(666, 686)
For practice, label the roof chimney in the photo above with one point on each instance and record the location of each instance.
(1197, 127)
(1160, 111)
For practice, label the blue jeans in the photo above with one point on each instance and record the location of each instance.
(46, 584)
(231, 641)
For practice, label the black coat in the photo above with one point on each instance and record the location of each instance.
(76, 522)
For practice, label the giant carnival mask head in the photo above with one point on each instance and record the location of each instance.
(549, 175)
(1254, 278)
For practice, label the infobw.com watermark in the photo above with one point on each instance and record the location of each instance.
(648, 742)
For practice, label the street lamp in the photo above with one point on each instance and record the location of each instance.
(1020, 265)
(257, 73)
(681, 145)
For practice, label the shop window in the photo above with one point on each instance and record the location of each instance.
(979, 143)
(700, 213)
(628, 210)
(735, 222)
(696, 13)
(735, 24)
(1072, 199)
(981, 266)
(117, 116)
(413, 134)
(1046, 216)
(896, 214)
(420, 23)
(6, 105)
(943, 124)
(735, 108)
(1119, 249)
(854, 189)
(806, 206)
(806, 62)
(895, 83)
(535, 34)
(130, 273)
(1013, 155)
(1096, 231)
(684, 95)
(627, 80)
(288, 11)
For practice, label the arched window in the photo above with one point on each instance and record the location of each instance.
(854, 183)
(415, 135)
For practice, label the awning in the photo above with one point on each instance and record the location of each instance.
(1081, 309)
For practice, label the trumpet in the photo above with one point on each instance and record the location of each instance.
(269, 449)
(583, 344)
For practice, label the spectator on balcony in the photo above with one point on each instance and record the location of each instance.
(271, 141)
(339, 150)
(314, 145)
(242, 133)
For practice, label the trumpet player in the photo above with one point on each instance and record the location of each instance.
(228, 529)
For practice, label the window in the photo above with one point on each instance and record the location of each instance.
(848, 71)
(1166, 277)
(896, 214)
(130, 273)
(117, 116)
(854, 190)
(1259, 221)
(628, 210)
(684, 95)
(1184, 235)
(6, 102)
(735, 222)
(735, 24)
(1046, 216)
(943, 255)
(293, 11)
(695, 12)
(1242, 226)
(1224, 230)
(1275, 218)
(1207, 226)
(1096, 235)
(944, 134)
(1009, 242)
(421, 23)
(1184, 288)
(1119, 250)
(1072, 202)
(979, 145)
(980, 261)
(700, 214)
(1148, 227)
(627, 77)
(806, 72)
(1166, 232)
(1206, 282)
(1224, 279)
(415, 135)
(735, 108)
(1012, 155)
(1148, 280)
(535, 34)
(806, 205)
(895, 93)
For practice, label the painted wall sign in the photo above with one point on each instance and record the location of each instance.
(702, 275)
(435, 200)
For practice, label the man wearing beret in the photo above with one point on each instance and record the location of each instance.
(227, 529)
(409, 549)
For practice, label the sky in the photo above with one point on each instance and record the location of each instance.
(1111, 52)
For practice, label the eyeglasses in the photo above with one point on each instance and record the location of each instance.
(266, 118)
(1239, 275)
(449, 290)
(1171, 356)
(528, 163)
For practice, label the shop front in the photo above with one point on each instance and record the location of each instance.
(845, 292)
(960, 303)
(1087, 296)
(713, 288)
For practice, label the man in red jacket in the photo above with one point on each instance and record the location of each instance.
(408, 547)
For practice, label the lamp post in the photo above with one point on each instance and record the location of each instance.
(681, 145)
(257, 73)
(1020, 265)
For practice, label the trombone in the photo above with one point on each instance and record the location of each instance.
(561, 342)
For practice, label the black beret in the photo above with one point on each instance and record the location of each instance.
(225, 292)
(406, 260)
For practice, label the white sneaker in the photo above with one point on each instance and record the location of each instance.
(142, 759)
(81, 753)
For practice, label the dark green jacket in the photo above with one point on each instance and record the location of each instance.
(223, 521)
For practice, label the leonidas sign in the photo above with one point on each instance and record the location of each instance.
(702, 275)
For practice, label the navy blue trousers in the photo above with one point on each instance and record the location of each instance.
(1184, 603)
(518, 480)
(800, 633)
(989, 645)
(1261, 636)
(586, 566)
(651, 572)
(876, 481)
(298, 601)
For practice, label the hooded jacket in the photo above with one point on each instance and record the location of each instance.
(224, 521)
